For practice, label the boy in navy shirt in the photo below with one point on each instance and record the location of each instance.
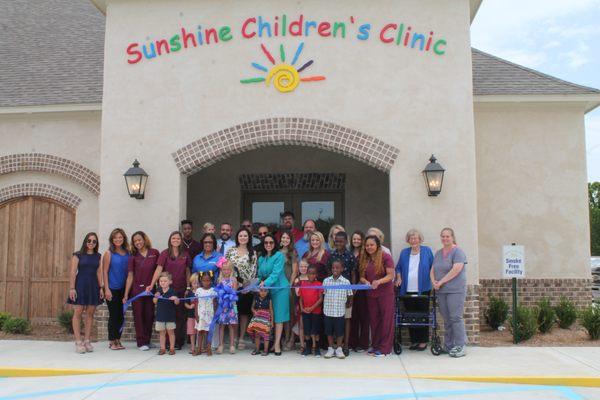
(165, 312)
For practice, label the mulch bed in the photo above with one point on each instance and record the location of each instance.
(52, 332)
(576, 336)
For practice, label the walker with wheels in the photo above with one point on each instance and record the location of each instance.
(417, 319)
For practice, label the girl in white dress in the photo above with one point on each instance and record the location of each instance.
(207, 303)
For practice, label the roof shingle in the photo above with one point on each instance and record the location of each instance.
(52, 52)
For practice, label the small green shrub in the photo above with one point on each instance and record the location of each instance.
(3, 318)
(566, 313)
(16, 325)
(526, 319)
(589, 318)
(497, 312)
(546, 316)
(64, 319)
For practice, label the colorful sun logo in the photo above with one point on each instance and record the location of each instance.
(285, 77)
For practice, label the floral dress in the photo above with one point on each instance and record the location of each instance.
(206, 309)
(229, 315)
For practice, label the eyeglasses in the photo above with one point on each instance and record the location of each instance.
(92, 241)
(247, 226)
(262, 233)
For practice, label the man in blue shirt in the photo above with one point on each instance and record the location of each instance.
(303, 244)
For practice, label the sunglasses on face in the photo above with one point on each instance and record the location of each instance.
(262, 233)
(247, 226)
(92, 241)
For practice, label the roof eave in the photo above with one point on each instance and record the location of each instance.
(590, 101)
(50, 108)
(101, 5)
(474, 6)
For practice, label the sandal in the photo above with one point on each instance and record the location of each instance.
(231, 349)
(114, 346)
(241, 345)
(79, 348)
(209, 352)
(255, 352)
(264, 353)
(220, 349)
(119, 345)
(172, 352)
(161, 352)
(88, 346)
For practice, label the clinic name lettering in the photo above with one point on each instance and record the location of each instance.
(398, 34)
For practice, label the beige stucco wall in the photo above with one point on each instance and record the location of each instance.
(418, 102)
(71, 135)
(532, 187)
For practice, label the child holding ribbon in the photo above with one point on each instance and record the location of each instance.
(228, 315)
(205, 311)
(190, 309)
(165, 312)
(260, 324)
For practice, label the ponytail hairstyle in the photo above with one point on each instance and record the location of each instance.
(451, 232)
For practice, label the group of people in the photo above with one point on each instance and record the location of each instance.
(279, 288)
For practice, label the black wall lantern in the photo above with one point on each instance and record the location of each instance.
(434, 177)
(136, 179)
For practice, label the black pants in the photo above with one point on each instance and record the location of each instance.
(420, 305)
(115, 314)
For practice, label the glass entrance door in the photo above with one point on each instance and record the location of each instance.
(325, 208)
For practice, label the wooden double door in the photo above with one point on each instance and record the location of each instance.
(36, 244)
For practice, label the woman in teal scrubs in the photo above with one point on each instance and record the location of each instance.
(271, 272)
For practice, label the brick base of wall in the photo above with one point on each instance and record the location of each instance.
(530, 291)
(128, 334)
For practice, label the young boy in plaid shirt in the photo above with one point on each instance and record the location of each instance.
(334, 307)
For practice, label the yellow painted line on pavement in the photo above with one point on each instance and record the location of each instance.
(587, 381)
(12, 372)
(583, 381)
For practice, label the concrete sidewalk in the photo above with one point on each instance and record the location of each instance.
(499, 372)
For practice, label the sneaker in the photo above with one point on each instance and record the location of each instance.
(458, 351)
(339, 353)
(306, 352)
(359, 350)
(378, 354)
(317, 352)
(144, 348)
(152, 345)
(330, 353)
(346, 352)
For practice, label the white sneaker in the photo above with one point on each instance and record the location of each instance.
(458, 351)
(329, 353)
(144, 348)
(339, 353)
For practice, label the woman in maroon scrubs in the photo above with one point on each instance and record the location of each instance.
(377, 269)
(141, 267)
(176, 261)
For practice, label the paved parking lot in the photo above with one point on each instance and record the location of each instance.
(51, 370)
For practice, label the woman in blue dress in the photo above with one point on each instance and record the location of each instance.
(85, 289)
(271, 272)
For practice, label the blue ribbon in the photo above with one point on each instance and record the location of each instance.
(227, 297)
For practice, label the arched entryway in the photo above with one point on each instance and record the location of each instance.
(261, 183)
(36, 244)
